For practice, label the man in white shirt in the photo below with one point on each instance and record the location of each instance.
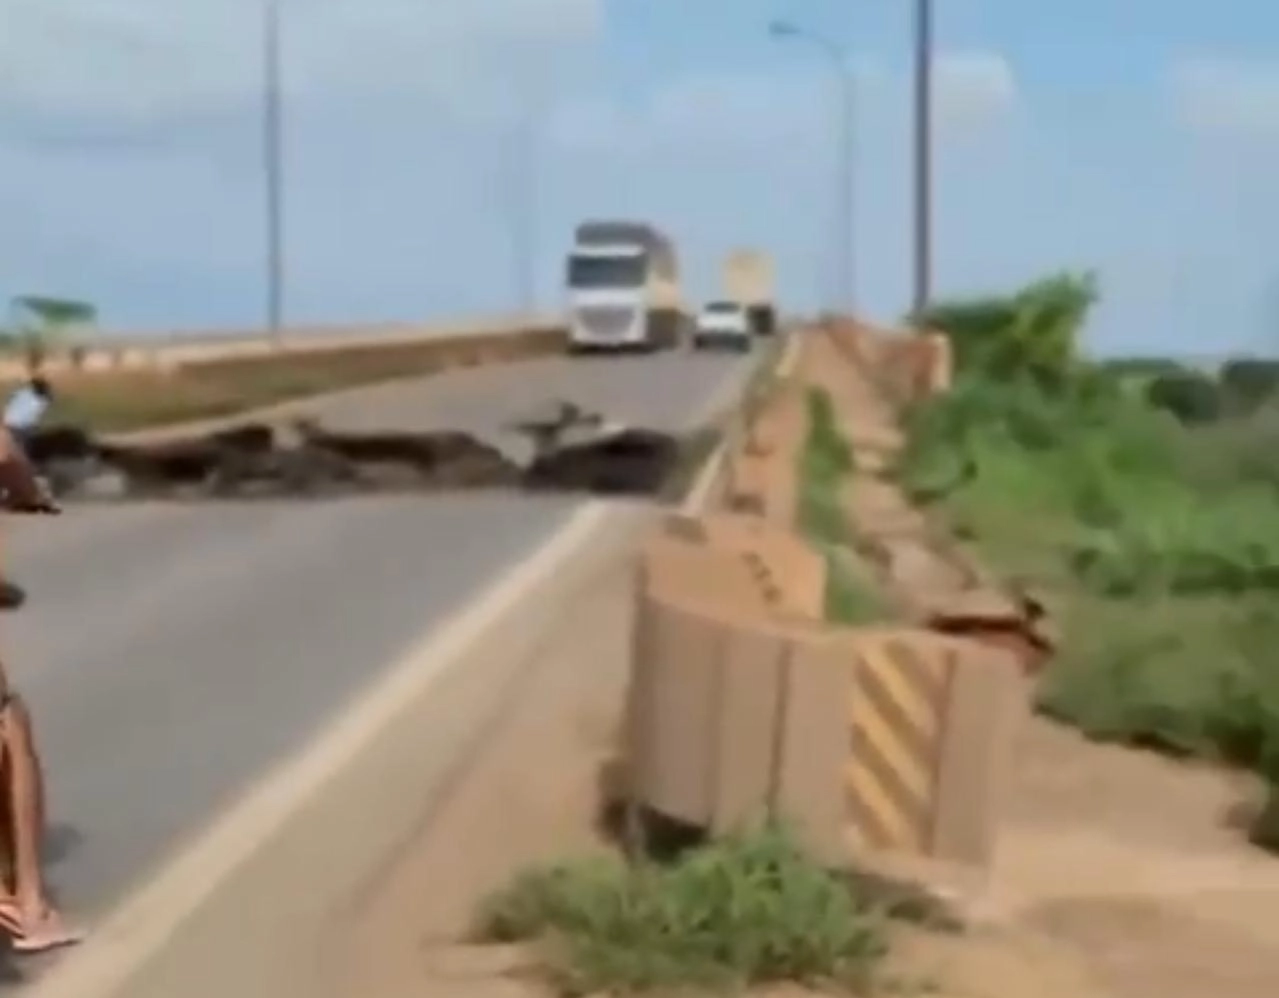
(27, 407)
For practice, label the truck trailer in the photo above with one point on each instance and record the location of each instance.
(749, 281)
(623, 288)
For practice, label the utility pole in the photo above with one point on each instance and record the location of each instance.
(923, 155)
(272, 152)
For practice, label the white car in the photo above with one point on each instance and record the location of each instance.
(722, 323)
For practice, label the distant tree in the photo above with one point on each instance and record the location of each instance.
(42, 324)
(1192, 396)
(1142, 367)
(1247, 382)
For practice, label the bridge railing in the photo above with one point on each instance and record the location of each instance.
(112, 352)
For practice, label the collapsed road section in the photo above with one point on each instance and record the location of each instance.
(175, 654)
(571, 449)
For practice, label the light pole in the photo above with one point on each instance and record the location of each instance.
(923, 156)
(846, 286)
(272, 152)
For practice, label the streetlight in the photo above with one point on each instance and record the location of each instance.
(846, 287)
(272, 125)
(923, 129)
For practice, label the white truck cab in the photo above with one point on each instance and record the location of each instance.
(623, 287)
(724, 324)
(606, 296)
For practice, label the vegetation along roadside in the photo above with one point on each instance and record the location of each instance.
(1144, 497)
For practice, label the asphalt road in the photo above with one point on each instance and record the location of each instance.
(171, 653)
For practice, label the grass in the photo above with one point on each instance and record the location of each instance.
(1160, 541)
(748, 909)
(134, 400)
(826, 462)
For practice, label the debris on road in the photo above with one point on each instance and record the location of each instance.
(571, 450)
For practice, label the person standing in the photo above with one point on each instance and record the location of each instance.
(27, 407)
(23, 413)
(27, 912)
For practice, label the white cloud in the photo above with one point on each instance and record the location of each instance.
(1226, 95)
(730, 108)
(699, 111)
(139, 60)
(973, 87)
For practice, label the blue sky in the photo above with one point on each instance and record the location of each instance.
(1134, 137)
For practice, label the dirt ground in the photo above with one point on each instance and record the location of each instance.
(1120, 874)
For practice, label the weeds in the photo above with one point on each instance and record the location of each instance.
(826, 462)
(1153, 512)
(851, 597)
(750, 909)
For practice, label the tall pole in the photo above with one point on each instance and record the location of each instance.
(845, 289)
(923, 155)
(272, 126)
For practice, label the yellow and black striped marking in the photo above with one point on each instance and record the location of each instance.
(897, 712)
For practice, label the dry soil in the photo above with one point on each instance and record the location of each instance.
(1119, 872)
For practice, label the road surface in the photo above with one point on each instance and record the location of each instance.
(173, 652)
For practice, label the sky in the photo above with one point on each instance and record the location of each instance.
(1138, 139)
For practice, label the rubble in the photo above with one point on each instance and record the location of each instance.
(571, 450)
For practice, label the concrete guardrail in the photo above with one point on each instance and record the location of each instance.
(113, 353)
(746, 704)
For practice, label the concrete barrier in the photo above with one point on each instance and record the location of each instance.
(442, 354)
(117, 354)
(909, 365)
(705, 682)
(744, 705)
(762, 473)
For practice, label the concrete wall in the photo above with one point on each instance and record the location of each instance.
(907, 364)
(745, 704)
(113, 353)
(762, 472)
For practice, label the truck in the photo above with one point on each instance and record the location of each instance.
(749, 281)
(623, 288)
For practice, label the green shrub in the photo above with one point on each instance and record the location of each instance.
(1191, 396)
(1033, 333)
(825, 464)
(1157, 520)
(751, 909)
(1187, 676)
(852, 597)
(1247, 382)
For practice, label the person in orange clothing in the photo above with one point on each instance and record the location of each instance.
(27, 913)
